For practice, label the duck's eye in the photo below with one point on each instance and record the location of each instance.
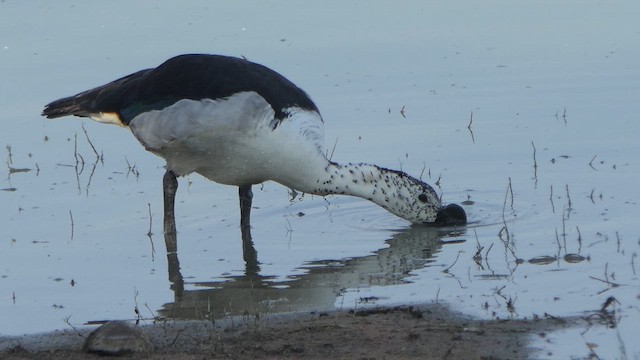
(423, 198)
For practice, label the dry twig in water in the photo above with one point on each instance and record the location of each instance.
(473, 139)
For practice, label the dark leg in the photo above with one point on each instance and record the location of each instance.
(246, 196)
(169, 187)
(248, 251)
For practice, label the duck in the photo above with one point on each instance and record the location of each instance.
(236, 122)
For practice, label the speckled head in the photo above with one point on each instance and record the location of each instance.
(407, 197)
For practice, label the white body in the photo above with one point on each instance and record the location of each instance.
(235, 141)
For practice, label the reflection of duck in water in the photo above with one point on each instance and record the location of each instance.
(317, 289)
(239, 123)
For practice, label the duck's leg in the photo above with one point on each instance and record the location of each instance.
(248, 251)
(169, 187)
(246, 196)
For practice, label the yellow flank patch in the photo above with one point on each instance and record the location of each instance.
(108, 118)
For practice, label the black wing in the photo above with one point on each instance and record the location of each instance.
(191, 76)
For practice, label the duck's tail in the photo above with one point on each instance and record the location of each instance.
(102, 104)
(76, 105)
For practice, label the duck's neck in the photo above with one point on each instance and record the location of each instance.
(393, 190)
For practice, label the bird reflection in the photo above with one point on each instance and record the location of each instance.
(316, 289)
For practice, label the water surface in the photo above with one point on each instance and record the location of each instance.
(547, 164)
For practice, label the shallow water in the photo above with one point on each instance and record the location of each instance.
(549, 161)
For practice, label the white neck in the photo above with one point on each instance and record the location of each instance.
(399, 193)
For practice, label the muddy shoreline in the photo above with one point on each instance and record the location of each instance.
(405, 332)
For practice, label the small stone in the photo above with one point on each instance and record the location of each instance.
(117, 338)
